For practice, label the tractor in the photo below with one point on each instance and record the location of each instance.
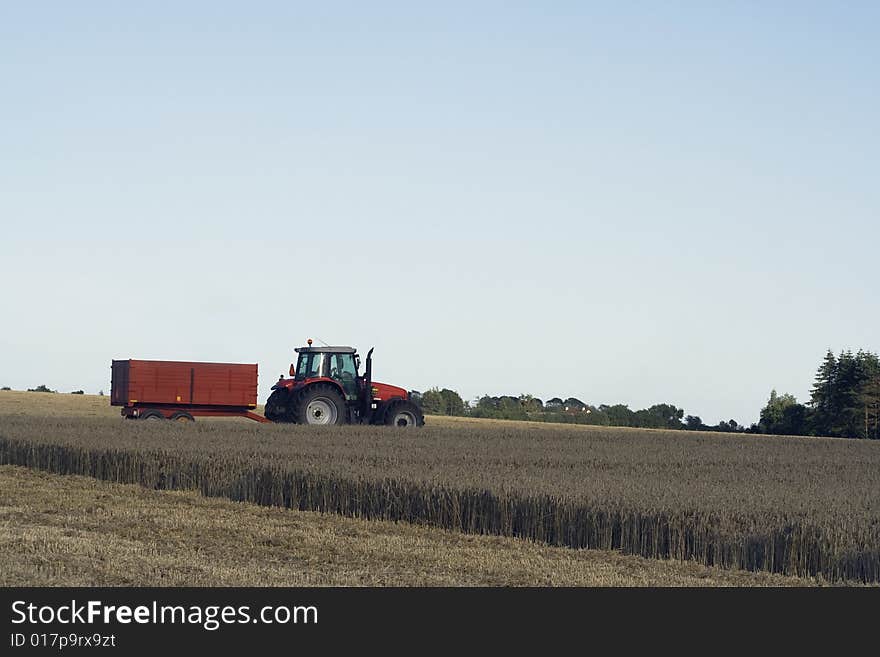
(325, 388)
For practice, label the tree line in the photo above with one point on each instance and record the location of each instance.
(844, 402)
(45, 388)
(570, 410)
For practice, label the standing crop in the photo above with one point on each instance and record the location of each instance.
(802, 506)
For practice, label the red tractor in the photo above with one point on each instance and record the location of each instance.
(325, 388)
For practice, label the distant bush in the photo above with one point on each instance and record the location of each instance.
(441, 402)
(41, 388)
(77, 392)
(5, 388)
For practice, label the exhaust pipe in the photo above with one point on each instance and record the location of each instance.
(368, 389)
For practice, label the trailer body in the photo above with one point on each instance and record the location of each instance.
(182, 390)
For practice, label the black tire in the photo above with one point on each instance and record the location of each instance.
(320, 403)
(404, 414)
(152, 415)
(183, 417)
(280, 406)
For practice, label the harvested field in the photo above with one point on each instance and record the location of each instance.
(799, 506)
(43, 404)
(75, 531)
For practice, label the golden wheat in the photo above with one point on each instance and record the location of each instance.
(797, 506)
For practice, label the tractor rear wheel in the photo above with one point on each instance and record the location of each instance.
(320, 403)
(404, 414)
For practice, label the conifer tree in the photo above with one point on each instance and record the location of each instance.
(822, 395)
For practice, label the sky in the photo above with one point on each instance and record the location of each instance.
(625, 202)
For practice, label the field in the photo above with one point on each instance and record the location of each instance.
(75, 531)
(797, 506)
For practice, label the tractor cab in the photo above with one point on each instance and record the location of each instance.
(338, 363)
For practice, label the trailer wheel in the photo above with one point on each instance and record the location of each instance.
(320, 403)
(183, 417)
(152, 415)
(404, 414)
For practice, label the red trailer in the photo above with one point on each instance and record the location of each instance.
(179, 390)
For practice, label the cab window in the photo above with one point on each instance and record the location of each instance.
(310, 366)
(342, 369)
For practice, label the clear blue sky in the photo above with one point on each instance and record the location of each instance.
(624, 202)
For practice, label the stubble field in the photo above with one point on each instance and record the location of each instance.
(795, 506)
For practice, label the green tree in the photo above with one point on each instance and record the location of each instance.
(531, 404)
(511, 408)
(841, 402)
(822, 396)
(864, 397)
(504, 407)
(783, 416)
(850, 378)
(485, 406)
(619, 415)
(432, 402)
(870, 400)
(731, 426)
(667, 416)
(452, 402)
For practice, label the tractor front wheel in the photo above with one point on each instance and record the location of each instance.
(279, 406)
(320, 404)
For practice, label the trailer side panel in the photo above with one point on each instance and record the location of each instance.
(183, 383)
